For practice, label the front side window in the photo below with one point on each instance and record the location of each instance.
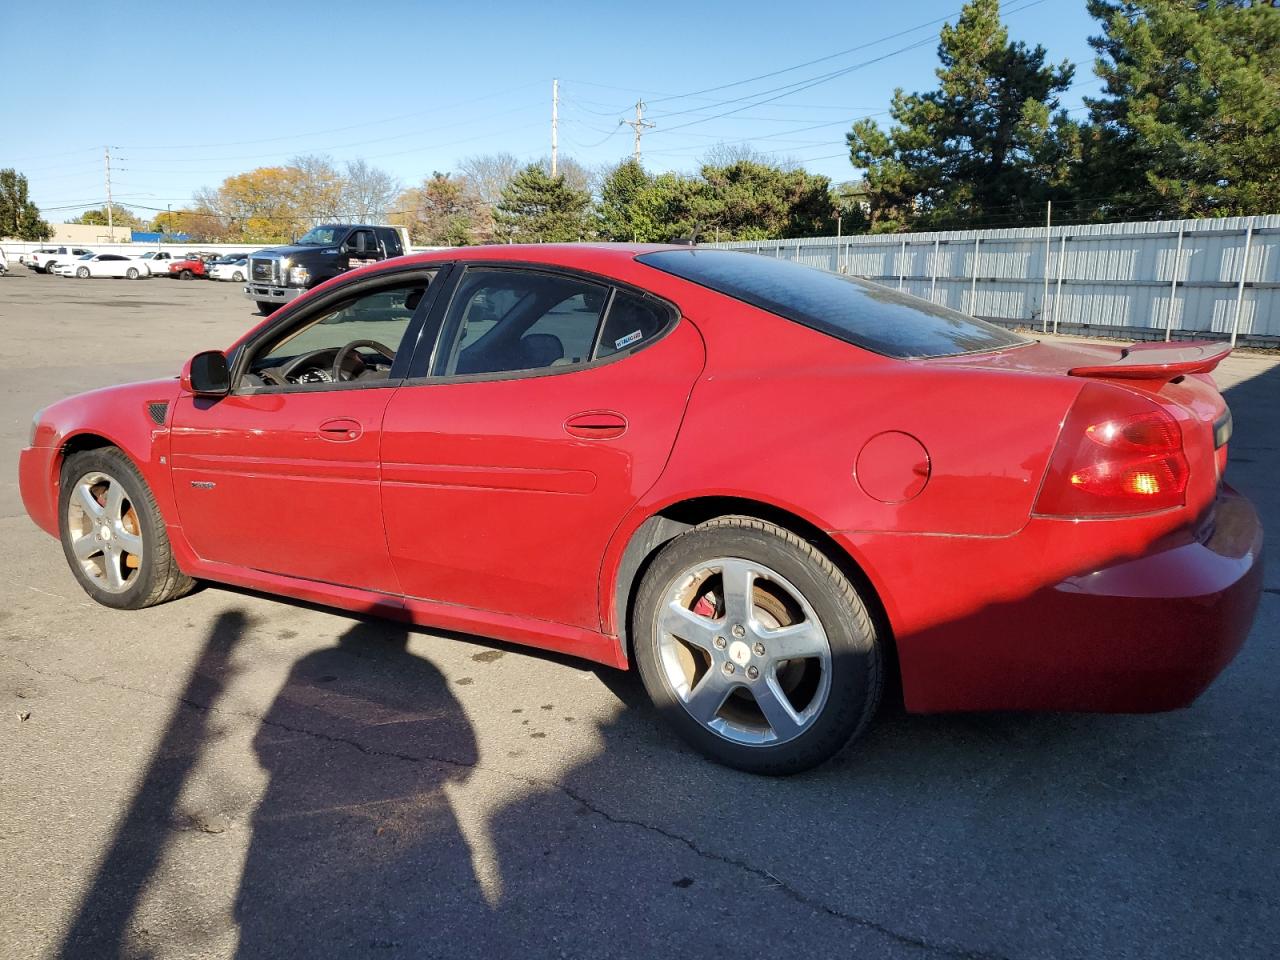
(502, 321)
(355, 339)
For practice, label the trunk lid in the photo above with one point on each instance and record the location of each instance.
(1172, 374)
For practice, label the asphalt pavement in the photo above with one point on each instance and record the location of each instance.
(233, 774)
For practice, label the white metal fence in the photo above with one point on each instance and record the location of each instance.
(1171, 279)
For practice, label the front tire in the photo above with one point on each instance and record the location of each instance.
(83, 273)
(185, 275)
(112, 534)
(755, 647)
(265, 308)
(238, 277)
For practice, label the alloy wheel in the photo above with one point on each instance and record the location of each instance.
(743, 651)
(106, 536)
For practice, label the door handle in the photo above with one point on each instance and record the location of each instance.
(596, 425)
(340, 430)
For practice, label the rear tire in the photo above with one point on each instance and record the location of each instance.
(774, 684)
(112, 533)
(132, 273)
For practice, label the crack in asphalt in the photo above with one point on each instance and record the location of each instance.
(792, 893)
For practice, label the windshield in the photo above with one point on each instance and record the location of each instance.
(856, 311)
(319, 237)
(87, 256)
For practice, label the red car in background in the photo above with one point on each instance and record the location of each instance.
(761, 484)
(189, 268)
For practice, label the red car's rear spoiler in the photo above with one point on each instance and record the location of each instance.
(1159, 361)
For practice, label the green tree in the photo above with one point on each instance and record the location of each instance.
(1189, 124)
(987, 147)
(19, 217)
(120, 217)
(741, 200)
(538, 208)
(629, 208)
(748, 200)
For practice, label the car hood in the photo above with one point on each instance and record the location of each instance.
(289, 251)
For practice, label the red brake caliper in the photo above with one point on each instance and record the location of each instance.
(707, 606)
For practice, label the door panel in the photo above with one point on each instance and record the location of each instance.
(262, 481)
(284, 478)
(502, 494)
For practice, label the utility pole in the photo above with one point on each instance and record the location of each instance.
(111, 230)
(639, 124)
(555, 122)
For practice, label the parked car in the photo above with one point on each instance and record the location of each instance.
(115, 265)
(234, 267)
(188, 268)
(759, 483)
(278, 274)
(45, 259)
(4, 262)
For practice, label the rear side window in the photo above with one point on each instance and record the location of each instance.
(505, 320)
(632, 320)
(865, 314)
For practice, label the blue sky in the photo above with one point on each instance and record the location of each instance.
(187, 95)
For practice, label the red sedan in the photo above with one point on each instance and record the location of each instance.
(761, 484)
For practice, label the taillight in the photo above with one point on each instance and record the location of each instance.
(1119, 454)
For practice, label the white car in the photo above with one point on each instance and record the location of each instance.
(102, 265)
(157, 262)
(232, 267)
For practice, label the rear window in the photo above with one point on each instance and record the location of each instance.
(857, 311)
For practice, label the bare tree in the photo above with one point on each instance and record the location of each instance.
(576, 176)
(368, 192)
(490, 173)
(725, 154)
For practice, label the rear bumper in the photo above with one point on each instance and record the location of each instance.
(269, 293)
(1144, 633)
(38, 487)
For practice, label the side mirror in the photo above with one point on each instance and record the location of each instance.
(207, 374)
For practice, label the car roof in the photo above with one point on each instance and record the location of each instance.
(552, 254)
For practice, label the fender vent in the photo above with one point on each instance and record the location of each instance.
(157, 412)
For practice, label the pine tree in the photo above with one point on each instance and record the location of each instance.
(19, 217)
(626, 204)
(538, 208)
(1190, 121)
(986, 148)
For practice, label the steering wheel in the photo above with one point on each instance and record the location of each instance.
(344, 352)
(300, 363)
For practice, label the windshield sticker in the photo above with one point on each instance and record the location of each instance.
(627, 341)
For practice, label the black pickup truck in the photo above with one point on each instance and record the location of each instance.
(278, 274)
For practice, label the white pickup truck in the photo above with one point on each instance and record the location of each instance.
(157, 261)
(45, 259)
